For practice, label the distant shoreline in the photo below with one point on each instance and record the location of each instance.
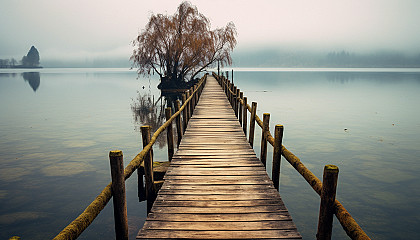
(21, 67)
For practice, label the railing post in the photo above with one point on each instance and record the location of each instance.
(264, 133)
(245, 117)
(252, 123)
(169, 134)
(237, 102)
(240, 107)
(148, 168)
(278, 139)
(234, 100)
(187, 107)
(191, 102)
(326, 209)
(118, 193)
(195, 96)
(178, 123)
(184, 113)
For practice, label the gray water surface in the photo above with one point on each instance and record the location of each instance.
(57, 127)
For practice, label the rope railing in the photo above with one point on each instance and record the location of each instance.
(350, 226)
(77, 226)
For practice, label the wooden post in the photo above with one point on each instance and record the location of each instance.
(264, 133)
(148, 168)
(245, 117)
(278, 139)
(191, 101)
(237, 102)
(118, 193)
(326, 209)
(178, 123)
(240, 107)
(233, 97)
(252, 123)
(184, 113)
(188, 107)
(232, 75)
(228, 92)
(193, 97)
(169, 134)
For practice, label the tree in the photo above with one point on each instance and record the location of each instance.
(180, 46)
(31, 59)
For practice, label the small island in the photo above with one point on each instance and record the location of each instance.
(31, 60)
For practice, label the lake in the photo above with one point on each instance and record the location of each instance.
(57, 127)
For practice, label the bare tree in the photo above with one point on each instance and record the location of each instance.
(180, 46)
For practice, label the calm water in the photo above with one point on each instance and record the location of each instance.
(58, 125)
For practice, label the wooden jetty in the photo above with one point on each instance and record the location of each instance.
(216, 187)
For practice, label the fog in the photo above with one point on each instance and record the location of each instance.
(88, 31)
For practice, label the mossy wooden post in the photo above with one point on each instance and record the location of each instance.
(237, 91)
(245, 117)
(252, 123)
(240, 107)
(178, 123)
(169, 134)
(184, 113)
(188, 108)
(228, 93)
(191, 102)
(118, 193)
(278, 139)
(195, 96)
(232, 75)
(148, 168)
(235, 98)
(264, 134)
(326, 209)
(227, 87)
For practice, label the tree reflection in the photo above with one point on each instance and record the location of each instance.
(33, 78)
(150, 110)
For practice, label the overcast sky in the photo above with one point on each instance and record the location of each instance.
(83, 29)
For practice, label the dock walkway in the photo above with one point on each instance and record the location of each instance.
(216, 188)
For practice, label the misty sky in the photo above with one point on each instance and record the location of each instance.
(85, 29)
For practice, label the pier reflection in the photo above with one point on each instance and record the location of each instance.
(149, 109)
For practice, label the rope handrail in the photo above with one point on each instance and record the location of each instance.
(350, 226)
(77, 226)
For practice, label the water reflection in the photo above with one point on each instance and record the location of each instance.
(150, 110)
(33, 78)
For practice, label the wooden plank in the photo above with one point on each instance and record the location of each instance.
(226, 217)
(220, 203)
(220, 226)
(235, 234)
(221, 210)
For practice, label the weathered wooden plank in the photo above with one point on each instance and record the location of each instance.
(244, 234)
(213, 197)
(212, 181)
(220, 203)
(237, 187)
(220, 226)
(222, 210)
(196, 178)
(226, 217)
